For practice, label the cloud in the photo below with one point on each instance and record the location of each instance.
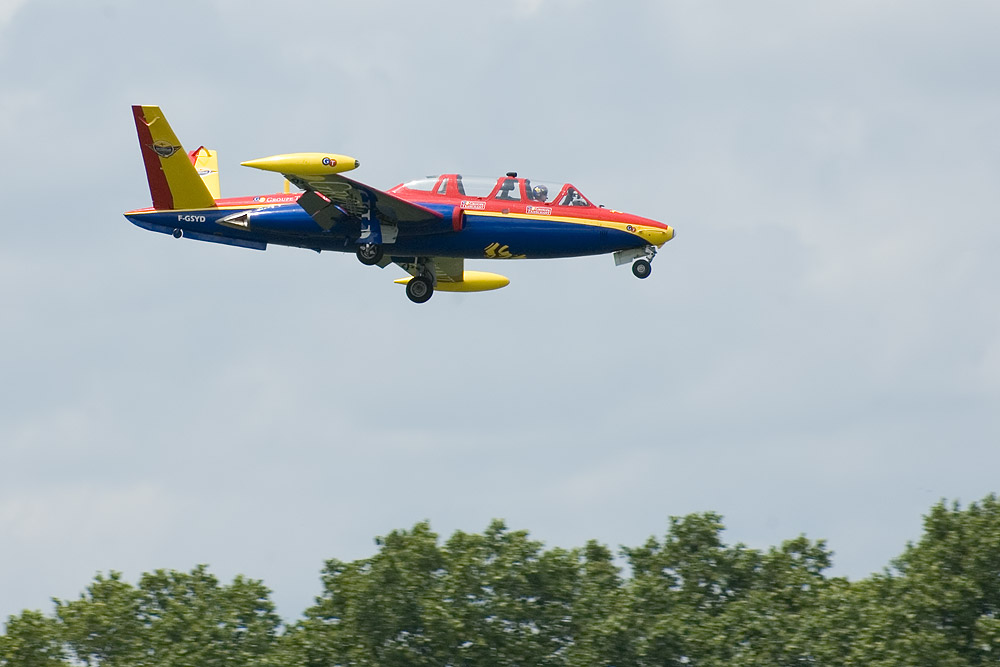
(8, 8)
(90, 514)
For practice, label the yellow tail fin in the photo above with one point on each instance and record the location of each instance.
(206, 163)
(173, 179)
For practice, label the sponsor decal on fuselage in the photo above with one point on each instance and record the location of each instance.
(473, 205)
(275, 200)
(538, 210)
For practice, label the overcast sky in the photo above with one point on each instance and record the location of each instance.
(817, 351)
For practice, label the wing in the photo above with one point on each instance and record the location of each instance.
(356, 199)
(317, 172)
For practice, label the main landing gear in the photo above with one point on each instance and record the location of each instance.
(370, 254)
(419, 289)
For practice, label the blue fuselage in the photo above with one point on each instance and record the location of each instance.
(482, 234)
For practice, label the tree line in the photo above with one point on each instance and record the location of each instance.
(501, 598)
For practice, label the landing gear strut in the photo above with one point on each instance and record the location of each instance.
(370, 254)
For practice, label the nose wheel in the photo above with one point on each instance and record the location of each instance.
(641, 268)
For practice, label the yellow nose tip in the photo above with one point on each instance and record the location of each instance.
(657, 235)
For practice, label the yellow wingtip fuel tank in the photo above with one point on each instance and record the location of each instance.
(305, 164)
(472, 281)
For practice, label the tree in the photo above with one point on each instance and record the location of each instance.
(603, 631)
(103, 627)
(779, 620)
(940, 603)
(499, 598)
(511, 601)
(31, 640)
(172, 619)
(377, 611)
(490, 599)
(680, 589)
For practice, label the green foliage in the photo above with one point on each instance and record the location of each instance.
(500, 598)
(171, 619)
(104, 626)
(943, 597)
(490, 599)
(603, 631)
(696, 600)
(31, 640)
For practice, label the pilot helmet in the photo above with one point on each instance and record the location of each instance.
(540, 192)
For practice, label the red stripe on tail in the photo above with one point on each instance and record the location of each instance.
(158, 187)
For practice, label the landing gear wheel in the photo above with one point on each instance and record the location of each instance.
(370, 254)
(419, 289)
(641, 268)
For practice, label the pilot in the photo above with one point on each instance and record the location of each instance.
(540, 193)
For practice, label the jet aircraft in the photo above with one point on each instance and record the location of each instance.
(428, 226)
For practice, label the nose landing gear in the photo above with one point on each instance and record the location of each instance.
(641, 268)
(643, 257)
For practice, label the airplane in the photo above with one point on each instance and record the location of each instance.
(428, 226)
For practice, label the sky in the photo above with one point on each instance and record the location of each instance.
(817, 351)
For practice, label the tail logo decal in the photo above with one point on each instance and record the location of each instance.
(164, 148)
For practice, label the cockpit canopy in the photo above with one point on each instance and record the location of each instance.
(505, 188)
